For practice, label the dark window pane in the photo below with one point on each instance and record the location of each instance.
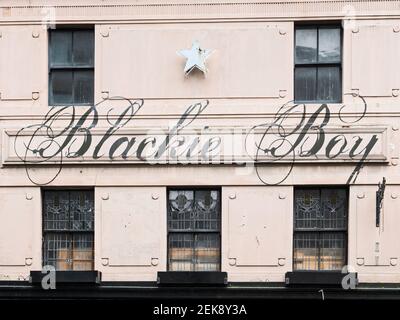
(329, 84)
(181, 210)
(61, 87)
(73, 49)
(83, 87)
(334, 209)
(199, 210)
(320, 208)
(207, 210)
(333, 252)
(305, 84)
(329, 45)
(207, 252)
(306, 45)
(58, 250)
(83, 48)
(56, 211)
(307, 209)
(82, 251)
(305, 255)
(81, 206)
(69, 252)
(68, 210)
(181, 252)
(60, 48)
(194, 252)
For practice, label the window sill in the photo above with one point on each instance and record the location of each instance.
(192, 278)
(329, 278)
(66, 105)
(317, 104)
(68, 277)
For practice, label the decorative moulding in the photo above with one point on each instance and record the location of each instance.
(238, 262)
(282, 32)
(35, 95)
(282, 93)
(154, 261)
(201, 9)
(105, 33)
(105, 94)
(105, 196)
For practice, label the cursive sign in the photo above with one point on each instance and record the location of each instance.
(294, 134)
(307, 137)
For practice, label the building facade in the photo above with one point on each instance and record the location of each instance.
(230, 144)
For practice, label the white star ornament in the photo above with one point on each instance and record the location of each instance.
(196, 58)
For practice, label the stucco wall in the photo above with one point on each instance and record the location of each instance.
(250, 77)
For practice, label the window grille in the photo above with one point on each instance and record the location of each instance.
(68, 229)
(320, 229)
(194, 230)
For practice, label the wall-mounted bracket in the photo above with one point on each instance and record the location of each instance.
(379, 200)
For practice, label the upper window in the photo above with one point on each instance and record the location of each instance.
(320, 229)
(68, 229)
(194, 230)
(71, 67)
(318, 64)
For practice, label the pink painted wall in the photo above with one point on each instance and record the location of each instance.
(250, 77)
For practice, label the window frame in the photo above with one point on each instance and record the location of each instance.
(195, 232)
(320, 231)
(71, 68)
(68, 232)
(316, 65)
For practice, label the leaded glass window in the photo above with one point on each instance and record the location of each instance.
(320, 228)
(194, 230)
(68, 229)
(318, 66)
(71, 67)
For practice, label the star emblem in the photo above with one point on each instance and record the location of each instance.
(196, 58)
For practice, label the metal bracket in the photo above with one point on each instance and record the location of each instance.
(379, 200)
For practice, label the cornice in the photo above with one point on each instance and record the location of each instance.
(96, 10)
